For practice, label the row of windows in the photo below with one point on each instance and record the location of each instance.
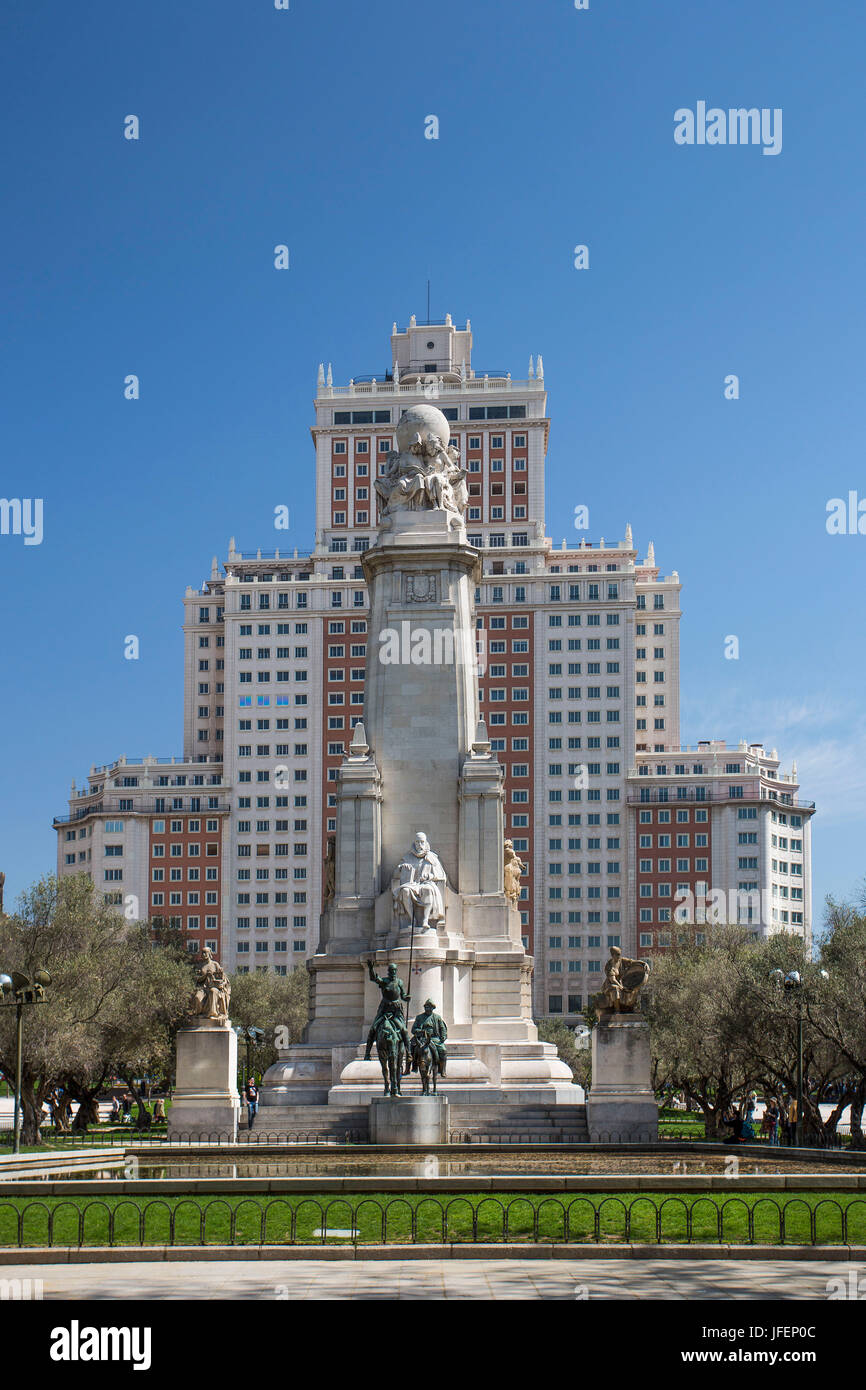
(262, 947)
(193, 875)
(554, 1003)
(575, 943)
(663, 866)
(682, 841)
(301, 600)
(593, 918)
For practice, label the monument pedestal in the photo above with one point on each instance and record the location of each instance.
(409, 1120)
(621, 1106)
(205, 1103)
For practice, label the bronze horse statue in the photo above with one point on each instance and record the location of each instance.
(426, 1060)
(391, 1052)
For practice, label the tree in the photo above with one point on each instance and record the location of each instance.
(553, 1030)
(694, 1008)
(112, 1000)
(278, 1004)
(841, 1018)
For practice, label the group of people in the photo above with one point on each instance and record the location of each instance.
(121, 1110)
(778, 1124)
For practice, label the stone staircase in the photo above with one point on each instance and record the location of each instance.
(520, 1124)
(471, 1124)
(309, 1124)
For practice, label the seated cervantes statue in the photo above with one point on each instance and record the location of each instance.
(418, 887)
(623, 981)
(210, 999)
(425, 472)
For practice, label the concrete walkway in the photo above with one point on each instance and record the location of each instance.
(459, 1279)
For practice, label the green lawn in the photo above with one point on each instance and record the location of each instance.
(591, 1217)
(681, 1124)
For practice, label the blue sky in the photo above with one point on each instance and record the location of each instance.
(306, 127)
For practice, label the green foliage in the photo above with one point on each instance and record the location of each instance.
(553, 1030)
(112, 1004)
(278, 1004)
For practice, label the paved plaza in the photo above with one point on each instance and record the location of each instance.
(446, 1279)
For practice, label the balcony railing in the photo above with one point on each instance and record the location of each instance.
(147, 808)
(415, 388)
(654, 796)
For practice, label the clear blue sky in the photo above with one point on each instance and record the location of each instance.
(307, 127)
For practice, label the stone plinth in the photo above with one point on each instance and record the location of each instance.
(409, 1120)
(205, 1100)
(621, 1106)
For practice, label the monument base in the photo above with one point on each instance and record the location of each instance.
(205, 1103)
(621, 1106)
(409, 1120)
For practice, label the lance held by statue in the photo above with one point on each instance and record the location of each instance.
(388, 1030)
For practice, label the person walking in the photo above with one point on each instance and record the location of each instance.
(251, 1094)
(792, 1120)
(749, 1120)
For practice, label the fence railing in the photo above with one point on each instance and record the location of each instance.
(129, 1137)
(156, 1136)
(590, 1219)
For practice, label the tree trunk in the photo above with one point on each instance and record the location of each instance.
(144, 1118)
(61, 1107)
(31, 1115)
(857, 1138)
(88, 1113)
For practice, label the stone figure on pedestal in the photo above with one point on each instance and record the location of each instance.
(210, 999)
(418, 886)
(623, 981)
(331, 868)
(512, 869)
(206, 1102)
(425, 472)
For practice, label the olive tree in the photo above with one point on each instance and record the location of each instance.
(111, 1005)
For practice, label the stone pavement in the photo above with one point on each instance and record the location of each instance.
(445, 1279)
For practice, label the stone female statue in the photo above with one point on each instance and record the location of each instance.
(212, 991)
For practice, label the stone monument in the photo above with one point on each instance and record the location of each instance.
(417, 877)
(621, 1105)
(205, 1102)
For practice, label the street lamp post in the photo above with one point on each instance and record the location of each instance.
(250, 1035)
(793, 982)
(17, 990)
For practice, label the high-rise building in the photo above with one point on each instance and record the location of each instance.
(717, 834)
(579, 663)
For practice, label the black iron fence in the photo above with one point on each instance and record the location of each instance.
(130, 1137)
(590, 1219)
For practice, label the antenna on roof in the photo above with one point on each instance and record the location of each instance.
(428, 301)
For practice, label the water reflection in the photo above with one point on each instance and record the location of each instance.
(404, 1164)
